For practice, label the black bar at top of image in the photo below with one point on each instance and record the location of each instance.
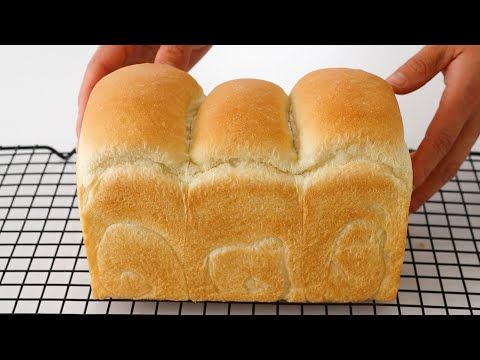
(245, 22)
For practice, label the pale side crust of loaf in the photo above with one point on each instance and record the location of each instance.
(247, 194)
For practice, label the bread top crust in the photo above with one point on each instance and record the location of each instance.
(243, 119)
(141, 108)
(152, 112)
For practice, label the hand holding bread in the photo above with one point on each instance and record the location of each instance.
(456, 125)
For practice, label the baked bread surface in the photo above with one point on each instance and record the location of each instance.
(247, 194)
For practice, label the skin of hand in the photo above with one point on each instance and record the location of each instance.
(109, 58)
(456, 124)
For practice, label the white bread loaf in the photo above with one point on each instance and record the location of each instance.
(247, 194)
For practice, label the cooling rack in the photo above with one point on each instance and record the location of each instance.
(43, 266)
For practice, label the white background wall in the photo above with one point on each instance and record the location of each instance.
(39, 84)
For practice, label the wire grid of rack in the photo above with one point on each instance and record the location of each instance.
(43, 266)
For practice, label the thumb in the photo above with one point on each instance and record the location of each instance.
(175, 55)
(420, 69)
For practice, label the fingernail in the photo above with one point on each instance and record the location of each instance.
(397, 79)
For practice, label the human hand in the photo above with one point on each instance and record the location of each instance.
(109, 58)
(456, 124)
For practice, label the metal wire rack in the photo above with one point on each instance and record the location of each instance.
(43, 266)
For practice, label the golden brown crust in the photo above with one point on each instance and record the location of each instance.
(246, 228)
(243, 119)
(345, 107)
(257, 198)
(141, 108)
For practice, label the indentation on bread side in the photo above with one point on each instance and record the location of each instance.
(355, 242)
(254, 271)
(353, 251)
(136, 262)
(331, 171)
(395, 254)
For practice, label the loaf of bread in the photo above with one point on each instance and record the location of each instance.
(247, 194)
